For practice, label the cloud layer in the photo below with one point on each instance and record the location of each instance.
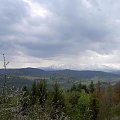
(70, 33)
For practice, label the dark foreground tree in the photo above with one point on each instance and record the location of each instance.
(58, 102)
(41, 92)
(94, 107)
(24, 100)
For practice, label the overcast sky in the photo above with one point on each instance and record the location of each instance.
(76, 34)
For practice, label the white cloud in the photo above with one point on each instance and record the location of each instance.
(37, 9)
(87, 3)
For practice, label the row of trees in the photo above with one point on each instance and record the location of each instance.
(81, 102)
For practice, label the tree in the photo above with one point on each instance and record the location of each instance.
(91, 87)
(58, 102)
(5, 78)
(84, 106)
(73, 102)
(41, 92)
(108, 102)
(74, 97)
(117, 92)
(84, 87)
(73, 88)
(33, 95)
(94, 107)
(24, 100)
(99, 91)
(79, 88)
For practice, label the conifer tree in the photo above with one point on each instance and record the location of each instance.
(41, 92)
(94, 107)
(58, 102)
(79, 88)
(33, 95)
(73, 88)
(99, 90)
(24, 100)
(91, 87)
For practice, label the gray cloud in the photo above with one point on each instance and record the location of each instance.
(11, 12)
(71, 28)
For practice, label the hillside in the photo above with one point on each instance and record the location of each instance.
(35, 72)
(25, 76)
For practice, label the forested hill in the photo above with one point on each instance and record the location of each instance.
(25, 76)
(35, 72)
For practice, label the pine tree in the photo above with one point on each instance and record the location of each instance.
(79, 88)
(24, 100)
(41, 92)
(99, 90)
(58, 102)
(73, 88)
(94, 107)
(84, 87)
(91, 87)
(33, 96)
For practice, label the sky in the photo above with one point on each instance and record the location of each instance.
(76, 34)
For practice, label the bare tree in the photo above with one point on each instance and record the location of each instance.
(5, 75)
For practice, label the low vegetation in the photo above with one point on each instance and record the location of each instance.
(80, 102)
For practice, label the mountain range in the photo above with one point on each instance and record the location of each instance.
(65, 77)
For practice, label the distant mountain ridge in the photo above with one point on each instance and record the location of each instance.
(36, 72)
(66, 77)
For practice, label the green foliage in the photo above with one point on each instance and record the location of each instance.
(73, 102)
(33, 94)
(84, 106)
(91, 87)
(24, 100)
(94, 107)
(73, 98)
(58, 102)
(73, 88)
(79, 88)
(58, 98)
(116, 110)
(9, 108)
(37, 112)
(80, 103)
(41, 92)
